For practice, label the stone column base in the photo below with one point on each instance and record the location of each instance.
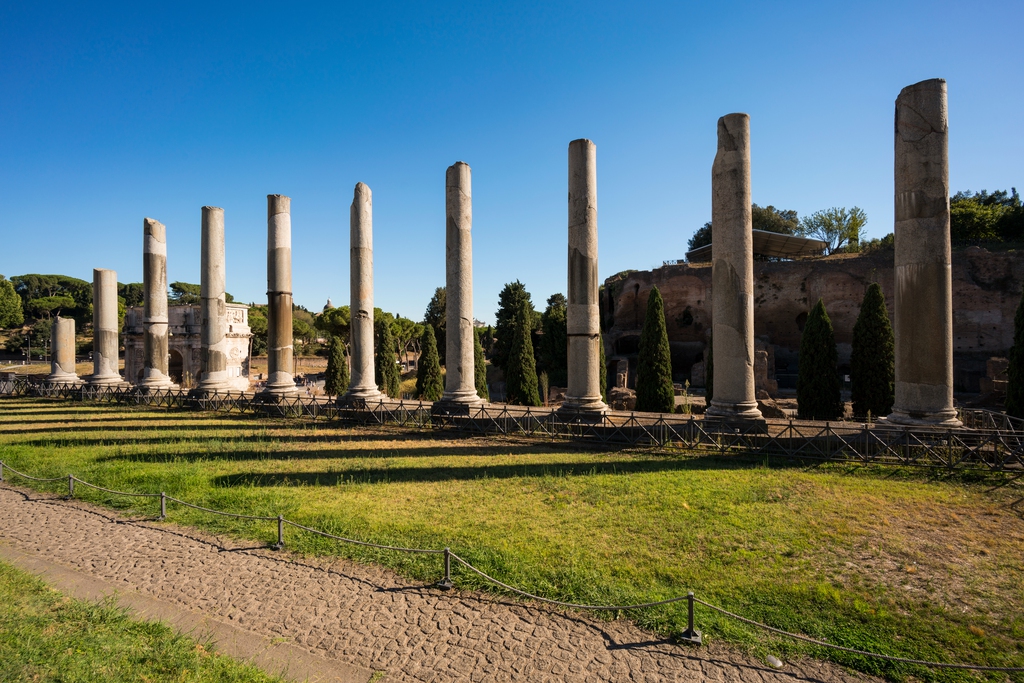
(593, 408)
(108, 382)
(733, 411)
(359, 398)
(945, 418)
(72, 380)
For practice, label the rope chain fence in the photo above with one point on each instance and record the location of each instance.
(691, 634)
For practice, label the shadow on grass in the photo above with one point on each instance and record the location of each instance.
(381, 475)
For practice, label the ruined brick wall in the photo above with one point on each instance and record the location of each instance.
(986, 290)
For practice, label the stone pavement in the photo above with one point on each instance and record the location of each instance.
(364, 616)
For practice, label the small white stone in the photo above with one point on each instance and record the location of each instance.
(774, 662)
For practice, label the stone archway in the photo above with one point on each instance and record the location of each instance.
(175, 366)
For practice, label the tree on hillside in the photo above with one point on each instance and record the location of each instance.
(554, 358)
(190, 294)
(509, 302)
(872, 376)
(766, 218)
(1015, 372)
(480, 369)
(841, 230)
(654, 392)
(258, 326)
(386, 373)
(436, 317)
(49, 306)
(133, 293)
(770, 219)
(407, 334)
(429, 383)
(817, 384)
(32, 287)
(521, 387)
(984, 217)
(11, 313)
(334, 322)
(336, 379)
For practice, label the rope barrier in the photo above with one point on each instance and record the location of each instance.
(690, 634)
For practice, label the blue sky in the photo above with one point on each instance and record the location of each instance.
(110, 114)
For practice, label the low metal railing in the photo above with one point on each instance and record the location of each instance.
(989, 441)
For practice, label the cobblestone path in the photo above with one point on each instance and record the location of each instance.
(366, 615)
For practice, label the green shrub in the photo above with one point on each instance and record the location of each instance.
(429, 385)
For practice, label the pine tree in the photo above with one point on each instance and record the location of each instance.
(521, 373)
(480, 368)
(386, 373)
(654, 392)
(872, 377)
(1015, 372)
(336, 378)
(429, 385)
(817, 385)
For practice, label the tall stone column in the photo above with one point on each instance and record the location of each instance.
(279, 298)
(363, 386)
(732, 274)
(583, 320)
(213, 305)
(154, 306)
(62, 352)
(923, 315)
(105, 332)
(460, 364)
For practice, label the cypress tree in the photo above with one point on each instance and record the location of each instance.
(817, 385)
(1015, 372)
(387, 375)
(654, 392)
(510, 299)
(555, 341)
(872, 376)
(436, 316)
(336, 378)
(603, 369)
(521, 373)
(480, 368)
(429, 386)
(709, 372)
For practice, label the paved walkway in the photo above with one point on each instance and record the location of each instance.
(365, 616)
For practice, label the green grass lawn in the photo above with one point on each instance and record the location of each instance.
(46, 636)
(907, 562)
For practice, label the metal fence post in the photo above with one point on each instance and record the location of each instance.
(163, 505)
(71, 486)
(690, 635)
(280, 533)
(446, 582)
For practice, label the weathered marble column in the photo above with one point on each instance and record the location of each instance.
(583, 313)
(279, 298)
(213, 305)
(732, 274)
(105, 332)
(460, 364)
(62, 352)
(923, 312)
(154, 306)
(363, 386)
